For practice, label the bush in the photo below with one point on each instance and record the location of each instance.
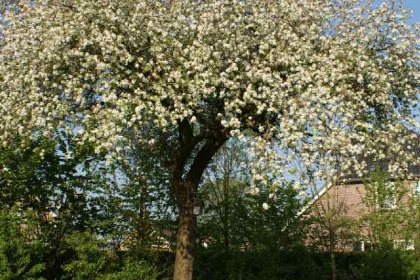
(383, 264)
(91, 262)
(133, 270)
(21, 259)
(296, 264)
(299, 263)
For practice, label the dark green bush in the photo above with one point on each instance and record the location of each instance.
(302, 264)
(296, 264)
(383, 265)
(21, 259)
(93, 263)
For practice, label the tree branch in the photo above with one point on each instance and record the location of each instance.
(202, 160)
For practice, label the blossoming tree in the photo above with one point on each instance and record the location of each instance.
(309, 80)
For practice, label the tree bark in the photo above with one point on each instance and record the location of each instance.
(333, 267)
(187, 232)
(226, 186)
(332, 256)
(185, 182)
(186, 191)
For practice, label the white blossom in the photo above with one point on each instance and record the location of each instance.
(310, 81)
(254, 191)
(302, 193)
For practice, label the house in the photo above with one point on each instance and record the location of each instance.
(154, 239)
(356, 213)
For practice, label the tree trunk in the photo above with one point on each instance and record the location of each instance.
(226, 186)
(333, 267)
(185, 250)
(185, 188)
(332, 256)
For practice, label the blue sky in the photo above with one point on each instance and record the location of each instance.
(415, 6)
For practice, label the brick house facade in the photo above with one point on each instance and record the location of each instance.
(345, 216)
(338, 214)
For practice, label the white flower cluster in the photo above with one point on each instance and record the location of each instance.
(320, 79)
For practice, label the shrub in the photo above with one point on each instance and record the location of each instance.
(133, 270)
(91, 262)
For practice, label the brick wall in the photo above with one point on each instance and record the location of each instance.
(343, 205)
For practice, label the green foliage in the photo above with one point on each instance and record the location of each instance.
(54, 207)
(92, 262)
(412, 262)
(134, 270)
(19, 256)
(393, 210)
(55, 185)
(383, 264)
(299, 263)
(89, 262)
(296, 264)
(139, 203)
(234, 219)
(248, 225)
(67, 194)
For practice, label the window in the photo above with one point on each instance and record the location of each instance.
(370, 246)
(359, 246)
(403, 244)
(416, 187)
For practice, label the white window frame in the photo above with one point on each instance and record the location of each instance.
(403, 244)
